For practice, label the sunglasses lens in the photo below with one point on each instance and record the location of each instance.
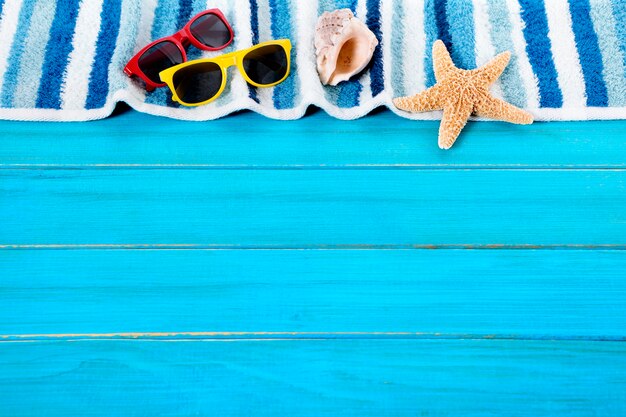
(266, 65)
(211, 31)
(160, 57)
(198, 83)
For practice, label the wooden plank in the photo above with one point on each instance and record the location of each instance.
(521, 294)
(315, 142)
(313, 378)
(291, 208)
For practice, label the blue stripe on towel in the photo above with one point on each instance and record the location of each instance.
(105, 47)
(589, 52)
(614, 71)
(164, 24)
(619, 11)
(1, 6)
(540, 53)
(15, 57)
(285, 92)
(432, 34)
(501, 28)
(184, 13)
(443, 26)
(397, 48)
(460, 16)
(57, 52)
(376, 70)
(254, 25)
(349, 93)
(254, 21)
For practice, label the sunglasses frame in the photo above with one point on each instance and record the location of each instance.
(181, 39)
(224, 62)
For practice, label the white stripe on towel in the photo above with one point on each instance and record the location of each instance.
(414, 41)
(565, 53)
(306, 58)
(75, 86)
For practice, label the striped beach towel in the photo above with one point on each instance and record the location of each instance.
(64, 59)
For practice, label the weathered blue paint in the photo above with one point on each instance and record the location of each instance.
(251, 141)
(304, 208)
(503, 293)
(313, 378)
(470, 328)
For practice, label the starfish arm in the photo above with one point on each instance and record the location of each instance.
(453, 121)
(442, 61)
(494, 108)
(428, 100)
(494, 69)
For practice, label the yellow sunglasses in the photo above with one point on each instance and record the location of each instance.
(201, 81)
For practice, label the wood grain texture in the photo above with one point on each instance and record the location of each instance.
(520, 294)
(388, 329)
(248, 208)
(313, 378)
(316, 142)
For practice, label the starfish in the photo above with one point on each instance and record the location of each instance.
(461, 93)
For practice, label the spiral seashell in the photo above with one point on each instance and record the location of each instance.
(344, 46)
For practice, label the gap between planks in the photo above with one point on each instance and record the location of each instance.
(218, 247)
(303, 336)
(363, 167)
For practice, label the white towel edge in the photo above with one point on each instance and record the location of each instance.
(542, 114)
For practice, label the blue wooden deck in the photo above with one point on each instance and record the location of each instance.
(311, 268)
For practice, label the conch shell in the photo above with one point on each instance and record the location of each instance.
(344, 46)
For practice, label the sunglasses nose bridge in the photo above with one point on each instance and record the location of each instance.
(228, 60)
(181, 37)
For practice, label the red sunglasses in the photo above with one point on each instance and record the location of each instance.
(208, 30)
